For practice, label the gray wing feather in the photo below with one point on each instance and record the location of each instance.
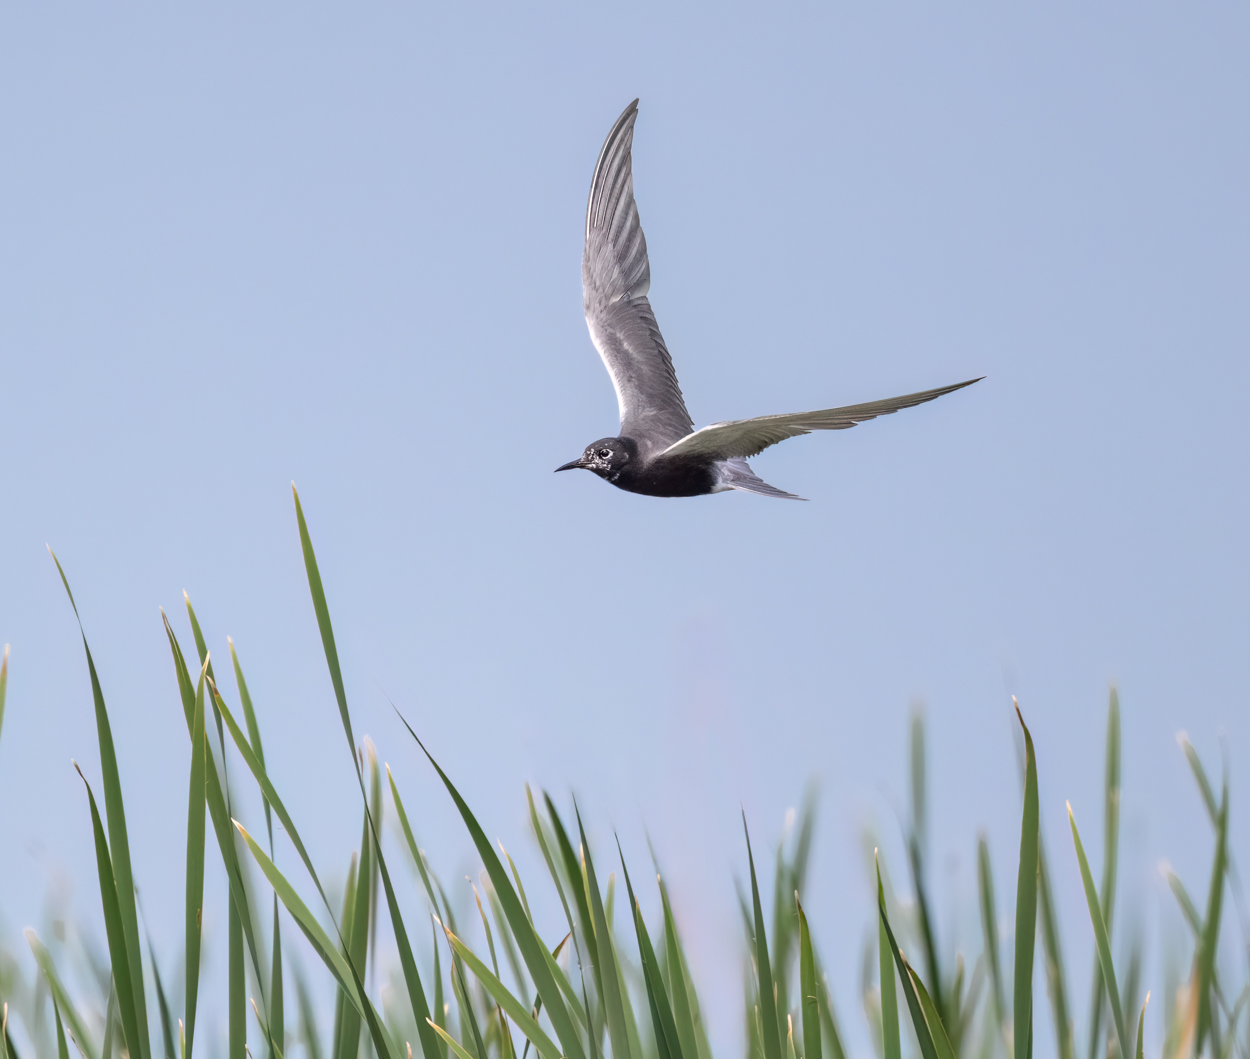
(744, 438)
(615, 278)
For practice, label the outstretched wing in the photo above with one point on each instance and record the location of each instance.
(744, 438)
(615, 280)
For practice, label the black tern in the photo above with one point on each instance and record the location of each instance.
(658, 452)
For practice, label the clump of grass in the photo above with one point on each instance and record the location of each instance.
(595, 991)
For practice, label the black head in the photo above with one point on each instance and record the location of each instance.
(606, 457)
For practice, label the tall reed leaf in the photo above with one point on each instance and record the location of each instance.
(1111, 848)
(119, 957)
(1101, 939)
(1026, 903)
(808, 987)
(118, 841)
(920, 1024)
(769, 1026)
(195, 862)
(1211, 927)
(666, 1040)
(989, 930)
(502, 996)
(532, 949)
(60, 996)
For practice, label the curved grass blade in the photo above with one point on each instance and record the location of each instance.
(1101, 939)
(456, 1048)
(1111, 846)
(515, 1008)
(118, 955)
(323, 622)
(334, 960)
(77, 1028)
(1211, 928)
(770, 1029)
(236, 981)
(277, 1008)
(119, 841)
(941, 1042)
(195, 862)
(683, 1010)
(891, 1044)
(1054, 961)
(989, 930)
(532, 949)
(1141, 1025)
(253, 731)
(1026, 902)
(667, 1042)
(807, 986)
(62, 1048)
(217, 796)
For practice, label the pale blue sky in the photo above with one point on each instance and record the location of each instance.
(342, 246)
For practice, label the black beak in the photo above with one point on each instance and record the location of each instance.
(572, 466)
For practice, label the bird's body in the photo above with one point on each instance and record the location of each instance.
(658, 451)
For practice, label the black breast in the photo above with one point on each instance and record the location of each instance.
(667, 477)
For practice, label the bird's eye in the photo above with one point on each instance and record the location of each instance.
(604, 453)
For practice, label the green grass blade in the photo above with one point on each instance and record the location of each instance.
(167, 1025)
(1055, 978)
(277, 1006)
(545, 846)
(411, 839)
(1200, 777)
(1141, 1025)
(769, 1028)
(257, 767)
(989, 930)
(216, 795)
(941, 1042)
(450, 1040)
(114, 930)
(357, 940)
(119, 842)
(323, 623)
(1211, 928)
(810, 994)
(1026, 903)
(236, 982)
(195, 864)
(515, 1008)
(581, 901)
(683, 1011)
(828, 1017)
(412, 979)
(665, 1027)
(334, 960)
(1188, 909)
(77, 1026)
(532, 949)
(62, 1048)
(1101, 939)
(889, 948)
(1111, 846)
(253, 730)
(307, 1017)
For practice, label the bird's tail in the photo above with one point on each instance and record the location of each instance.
(737, 474)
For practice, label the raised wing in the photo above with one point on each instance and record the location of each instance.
(744, 438)
(615, 280)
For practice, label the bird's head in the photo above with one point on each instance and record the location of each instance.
(605, 457)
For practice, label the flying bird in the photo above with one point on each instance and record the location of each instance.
(658, 451)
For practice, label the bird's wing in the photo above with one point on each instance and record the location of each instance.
(744, 438)
(615, 280)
